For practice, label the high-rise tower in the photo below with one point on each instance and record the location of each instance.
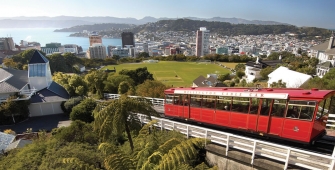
(95, 38)
(202, 42)
(127, 39)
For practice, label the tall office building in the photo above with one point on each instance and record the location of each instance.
(95, 38)
(202, 42)
(96, 51)
(127, 39)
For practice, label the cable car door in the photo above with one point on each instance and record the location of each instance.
(264, 115)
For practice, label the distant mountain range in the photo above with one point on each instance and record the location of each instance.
(70, 21)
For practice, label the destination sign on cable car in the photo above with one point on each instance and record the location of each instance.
(235, 94)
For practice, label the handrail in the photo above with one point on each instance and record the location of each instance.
(287, 155)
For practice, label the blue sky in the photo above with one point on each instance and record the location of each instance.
(318, 13)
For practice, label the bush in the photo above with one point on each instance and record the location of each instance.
(240, 74)
(78, 131)
(83, 111)
(68, 105)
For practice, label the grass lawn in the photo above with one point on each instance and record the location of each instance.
(178, 74)
(230, 65)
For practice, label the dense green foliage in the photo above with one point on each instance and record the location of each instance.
(49, 152)
(83, 111)
(74, 84)
(138, 75)
(13, 111)
(151, 88)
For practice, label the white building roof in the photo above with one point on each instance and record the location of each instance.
(292, 79)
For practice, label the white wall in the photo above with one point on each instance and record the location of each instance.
(42, 109)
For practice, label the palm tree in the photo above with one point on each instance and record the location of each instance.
(118, 115)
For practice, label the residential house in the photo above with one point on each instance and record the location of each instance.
(49, 96)
(294, 80)
(253, 69)
(210, 81)
(35, 85)
(14, 83)
(325, 52)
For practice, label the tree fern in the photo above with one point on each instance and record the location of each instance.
(78, 164)
(113, 117)
(115, 159)
(182, 153)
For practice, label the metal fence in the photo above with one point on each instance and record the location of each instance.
(286, 155)
(154, 101)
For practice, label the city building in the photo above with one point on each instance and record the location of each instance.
(121, 52)
(7, 44)
(95, 38)
(202, 42)
(221, 50)
(97, 50)
(127, 39)
(53, 45)
(110, 50)
(71, 48)
(145, 47)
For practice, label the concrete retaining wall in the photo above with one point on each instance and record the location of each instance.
(237, 160)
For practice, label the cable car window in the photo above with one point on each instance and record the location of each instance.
(278, 108)
(326, 106)
(195, 101)
(240, 104)
(254, 105)
(171, 98)
(265, 108)
(301, 109)
(223, 103)
(208, 102)
(185, 100)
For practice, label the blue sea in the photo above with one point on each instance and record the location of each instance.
(46, 35)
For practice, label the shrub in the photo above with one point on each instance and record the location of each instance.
(68, 105)
(83, 111)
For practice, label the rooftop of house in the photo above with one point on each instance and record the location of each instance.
(201, 81)
(38, 58)
(263, 63)
(12, 80)
(53, 93)
(295, 79)
(326, 64)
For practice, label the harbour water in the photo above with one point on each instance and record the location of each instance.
(46, 35)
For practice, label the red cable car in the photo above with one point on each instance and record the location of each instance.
(291, 114)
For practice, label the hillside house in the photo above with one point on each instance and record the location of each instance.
(325, 52)
(253, 69)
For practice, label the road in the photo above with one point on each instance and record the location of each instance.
(37, 123)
